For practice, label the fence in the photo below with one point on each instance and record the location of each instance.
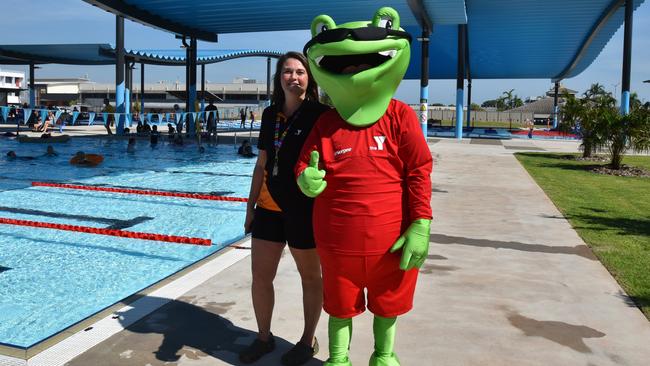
(446, 117)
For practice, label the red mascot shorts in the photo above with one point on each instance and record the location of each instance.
(390, 290)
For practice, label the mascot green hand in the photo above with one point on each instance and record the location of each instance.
(414, 244)
(311, 181)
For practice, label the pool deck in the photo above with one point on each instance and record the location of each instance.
(507, 282)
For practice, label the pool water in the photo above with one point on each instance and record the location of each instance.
(497, 133)
(52, 279)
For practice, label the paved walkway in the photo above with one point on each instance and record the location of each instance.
(507, 282)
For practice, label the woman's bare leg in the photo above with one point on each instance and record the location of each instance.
(308, 265)
(265, 256)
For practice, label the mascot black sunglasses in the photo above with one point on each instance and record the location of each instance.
(359, 34)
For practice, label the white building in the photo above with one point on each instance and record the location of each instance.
(11, 83)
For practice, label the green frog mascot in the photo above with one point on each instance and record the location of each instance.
(368, 166)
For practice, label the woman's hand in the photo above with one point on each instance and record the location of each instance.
(248, 223)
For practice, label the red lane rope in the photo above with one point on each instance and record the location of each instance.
(197, 196)
(111, 232)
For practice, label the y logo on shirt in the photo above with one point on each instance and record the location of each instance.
(380, 143)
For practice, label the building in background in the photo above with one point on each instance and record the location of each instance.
(159, 97)
(11, 84)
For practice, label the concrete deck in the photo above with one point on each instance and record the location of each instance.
(507, 282)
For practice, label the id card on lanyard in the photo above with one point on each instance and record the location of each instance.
(280, 118)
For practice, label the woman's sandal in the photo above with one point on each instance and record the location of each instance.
(300, 353)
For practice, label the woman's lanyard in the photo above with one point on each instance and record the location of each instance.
(278, 139)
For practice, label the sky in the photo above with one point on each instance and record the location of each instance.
(74, 21)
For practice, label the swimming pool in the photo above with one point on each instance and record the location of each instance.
(499, 133)
(52, 279)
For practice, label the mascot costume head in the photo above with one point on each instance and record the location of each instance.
(359, 64)
(378, 165)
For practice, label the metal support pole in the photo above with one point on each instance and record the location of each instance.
(555, 108)
(32, 87)
(119, 74)
(469, 102)
(141, 88)
(468, 74)
(460, 81)
(268, 81)
(203, 87)
(188, 56)
(191, 90)
(627, 58)
(128, 92)
(424, 82)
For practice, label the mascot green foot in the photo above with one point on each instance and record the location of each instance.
(384, 331)
(340, 332)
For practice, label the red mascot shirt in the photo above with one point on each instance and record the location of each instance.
(378, 180)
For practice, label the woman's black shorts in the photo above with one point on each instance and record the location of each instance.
(293, 227)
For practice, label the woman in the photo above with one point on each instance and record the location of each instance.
(43, 126)
(278, 213)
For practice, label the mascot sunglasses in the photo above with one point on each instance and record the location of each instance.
(359, 34)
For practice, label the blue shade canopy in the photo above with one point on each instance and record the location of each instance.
(204, 19)
(552, 39)
(524, 39)
(104, 54)
(69, 54)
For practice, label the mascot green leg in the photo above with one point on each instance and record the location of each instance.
(384, 330)
(340, 333)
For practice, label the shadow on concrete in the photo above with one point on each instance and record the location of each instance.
(565, 334)
(580, 250)
(192, 331)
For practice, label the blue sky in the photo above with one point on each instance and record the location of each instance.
(74, 21)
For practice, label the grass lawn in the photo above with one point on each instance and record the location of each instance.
(611, 214)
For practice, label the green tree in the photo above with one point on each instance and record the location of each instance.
(491, 103)
(603, 127)
(476, 107)
(622, 133)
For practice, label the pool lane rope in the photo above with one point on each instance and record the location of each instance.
(198, 196)
(110, 232)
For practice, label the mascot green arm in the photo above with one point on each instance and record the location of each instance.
(311, 180)
(414, 244)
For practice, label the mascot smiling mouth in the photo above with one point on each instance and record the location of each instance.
(352, 64)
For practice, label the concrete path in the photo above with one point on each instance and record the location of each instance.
(507, 282)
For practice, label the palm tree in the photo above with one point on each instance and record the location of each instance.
(624, 132)
(594, 91)
(507, 98)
